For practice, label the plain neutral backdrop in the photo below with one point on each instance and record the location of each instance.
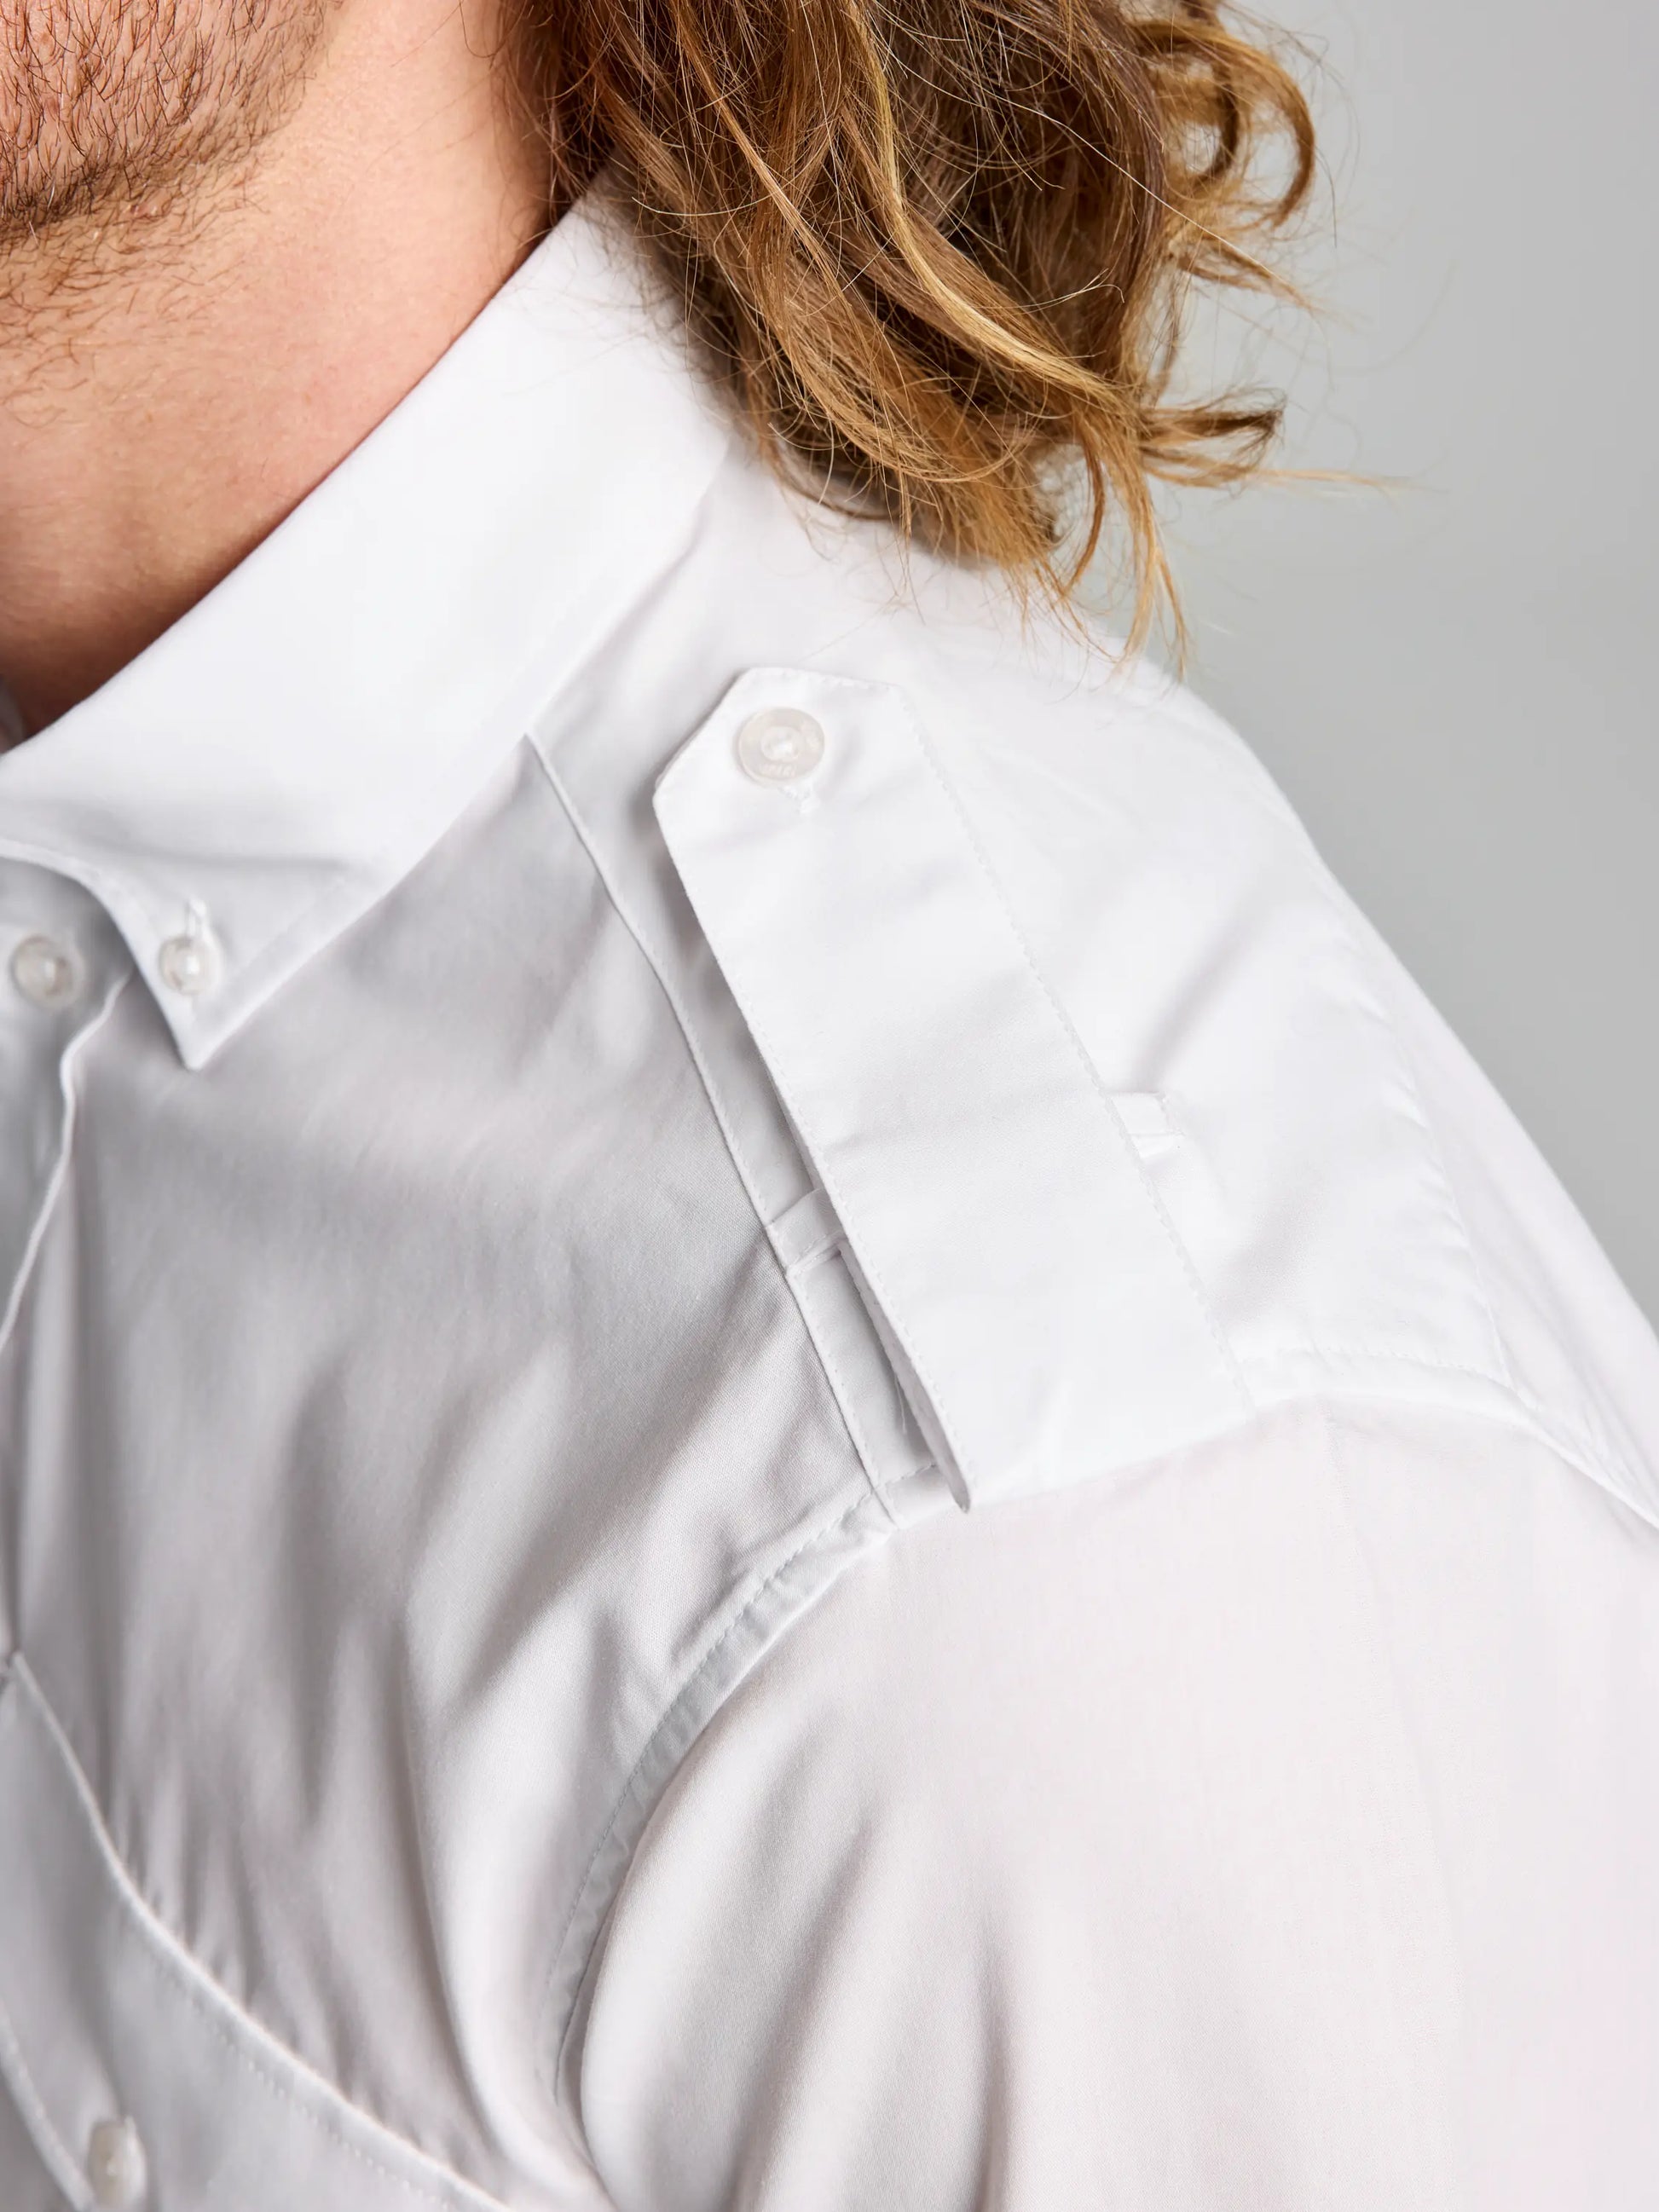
(1452, 679)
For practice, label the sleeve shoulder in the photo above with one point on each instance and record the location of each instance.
(1226, 1833)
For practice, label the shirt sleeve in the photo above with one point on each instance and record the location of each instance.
(1273, 1827)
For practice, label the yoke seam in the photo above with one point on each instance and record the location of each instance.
(173, 1965)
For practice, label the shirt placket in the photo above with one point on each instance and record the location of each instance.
(61, 963)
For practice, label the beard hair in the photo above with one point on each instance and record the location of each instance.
(116, 109)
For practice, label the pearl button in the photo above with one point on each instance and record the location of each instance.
(779, 744)
(115, 2165)
(47, 973)
(189, 963)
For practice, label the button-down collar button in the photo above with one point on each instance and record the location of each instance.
(189, 963)
(780, 744)
(115, 2165)
(48, 973)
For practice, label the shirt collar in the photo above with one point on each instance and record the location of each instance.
(277, 761)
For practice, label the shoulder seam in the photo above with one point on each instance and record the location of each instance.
(1518, 1410)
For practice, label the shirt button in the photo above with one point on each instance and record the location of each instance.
(115, 2165)
(780, 744)
(189, 963)
(47, 973)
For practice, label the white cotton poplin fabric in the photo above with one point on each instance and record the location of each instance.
(776, 1433)
(1150, 1848)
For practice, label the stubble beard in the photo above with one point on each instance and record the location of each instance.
(116, 115)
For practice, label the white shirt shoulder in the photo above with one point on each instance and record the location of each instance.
(777, 1429)
(1016, 827)
(1211, 1815)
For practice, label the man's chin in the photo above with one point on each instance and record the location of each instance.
(112, 127)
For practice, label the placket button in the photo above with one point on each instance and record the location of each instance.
(115, 2165)
(48, 973)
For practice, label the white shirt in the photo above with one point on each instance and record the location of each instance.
(588, 1063)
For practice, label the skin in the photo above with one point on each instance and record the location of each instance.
(233, 235)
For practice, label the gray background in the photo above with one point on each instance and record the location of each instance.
(1449, 677)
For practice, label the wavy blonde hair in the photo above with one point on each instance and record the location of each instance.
(941, 249)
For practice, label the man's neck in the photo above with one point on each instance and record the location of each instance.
(170, 389)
